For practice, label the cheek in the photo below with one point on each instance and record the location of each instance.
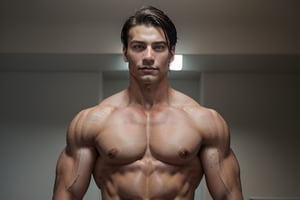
(133, 63)
(133, 58)
(165, 60)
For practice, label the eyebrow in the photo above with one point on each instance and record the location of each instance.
(160, 42)
(156, 43)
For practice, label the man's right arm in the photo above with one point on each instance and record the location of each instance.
(75, 164)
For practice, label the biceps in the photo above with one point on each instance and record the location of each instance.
(221, 172)
(74, 172)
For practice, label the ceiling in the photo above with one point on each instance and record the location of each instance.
(204, 26)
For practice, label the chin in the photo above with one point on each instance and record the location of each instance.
(149, 79)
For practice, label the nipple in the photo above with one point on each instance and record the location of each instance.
(184, 153)
(112, 153)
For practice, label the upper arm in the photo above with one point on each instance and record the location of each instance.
(219, 163)
(76, 162)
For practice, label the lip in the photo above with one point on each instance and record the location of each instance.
(148, 69)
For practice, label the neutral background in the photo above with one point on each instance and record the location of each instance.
(240, 58)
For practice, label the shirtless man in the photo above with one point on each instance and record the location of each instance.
(149, 141)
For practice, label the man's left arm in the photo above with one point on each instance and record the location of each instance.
(221, 168)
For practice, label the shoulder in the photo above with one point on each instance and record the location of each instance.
(85, 126)
(213, 128)
(207, 119)
(88, 123)
(95, 117)
(209, 123)
(194, 109)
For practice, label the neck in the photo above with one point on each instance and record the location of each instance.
(149, 95)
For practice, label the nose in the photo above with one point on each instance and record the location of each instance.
(148, 56)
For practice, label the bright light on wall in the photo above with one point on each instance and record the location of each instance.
(176, 65)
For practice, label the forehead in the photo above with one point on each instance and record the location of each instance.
(146, 34)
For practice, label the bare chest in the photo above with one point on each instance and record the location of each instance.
(129, 135)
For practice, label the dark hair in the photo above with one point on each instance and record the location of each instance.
(154, 17)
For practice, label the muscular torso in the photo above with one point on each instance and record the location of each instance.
(148, 155)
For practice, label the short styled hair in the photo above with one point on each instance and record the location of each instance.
(150, 16)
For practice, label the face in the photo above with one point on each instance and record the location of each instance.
(147, 54)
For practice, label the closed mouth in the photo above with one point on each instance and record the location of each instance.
(148, 68)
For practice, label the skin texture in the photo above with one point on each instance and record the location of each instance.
(149, 141)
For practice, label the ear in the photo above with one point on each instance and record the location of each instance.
(125, 54)
(172, 54)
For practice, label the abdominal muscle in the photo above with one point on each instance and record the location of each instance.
(148, 179)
